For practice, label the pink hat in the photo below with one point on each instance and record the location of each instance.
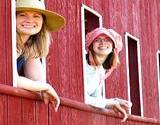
(113, 35)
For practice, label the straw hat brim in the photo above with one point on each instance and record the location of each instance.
(54, 21)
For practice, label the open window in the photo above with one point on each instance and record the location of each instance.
(158, 72)
(134, 79)
(90, 20)
(14, 53)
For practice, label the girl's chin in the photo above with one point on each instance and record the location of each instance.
(28, 33)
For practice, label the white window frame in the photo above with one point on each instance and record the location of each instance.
(158, 73)
(14, 52)
(83, 8)
(139, 69)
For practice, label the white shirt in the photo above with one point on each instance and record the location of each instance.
(94, 86)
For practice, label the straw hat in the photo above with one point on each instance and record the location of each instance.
(54, 21)
(113, 35)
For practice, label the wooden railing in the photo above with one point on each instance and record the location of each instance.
(12, 91)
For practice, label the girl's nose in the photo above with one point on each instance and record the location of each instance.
(29, 18)
(102, 42)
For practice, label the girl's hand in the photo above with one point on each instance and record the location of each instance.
(50, 96)
(118, 109)
(122, 106)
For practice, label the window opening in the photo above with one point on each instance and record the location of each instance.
(14, 53)
(134, 74)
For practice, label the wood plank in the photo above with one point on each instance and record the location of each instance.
(2, 43)
(57, 61)
(28, 112)
(14, 111)
(42, 113)
(153, 37)
(8, 43)
(74, 46)
(149, 53)
(3, 110)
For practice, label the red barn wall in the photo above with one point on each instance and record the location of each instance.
(64, 65)
(5, 56)
(139, 18)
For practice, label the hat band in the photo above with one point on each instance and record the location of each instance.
(37, 4)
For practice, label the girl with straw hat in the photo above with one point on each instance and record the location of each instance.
(102, 46)
(33, 26)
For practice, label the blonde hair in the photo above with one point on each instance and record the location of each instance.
(39, 43)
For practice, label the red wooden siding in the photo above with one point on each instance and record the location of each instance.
(5, 55)
(149, 37)
(66, 60)
(74, 112)
(2, 44)
(6, 46)
(141, 18)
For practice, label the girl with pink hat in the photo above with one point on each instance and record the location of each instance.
(103, 46)
(33, 26)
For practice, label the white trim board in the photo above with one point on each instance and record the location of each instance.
(139, 69)
(83, 8)
(14, 53)
(158, 75)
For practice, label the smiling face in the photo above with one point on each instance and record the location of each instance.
(102, 45)
(28, 23)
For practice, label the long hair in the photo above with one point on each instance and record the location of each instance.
(39, 43)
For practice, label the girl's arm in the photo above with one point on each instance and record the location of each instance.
(33, 72)
(34, 80)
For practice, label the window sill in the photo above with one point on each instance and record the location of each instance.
(9, 90)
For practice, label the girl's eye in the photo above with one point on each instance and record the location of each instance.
(97, 40)
(104, 40)
(37, 16)
(21, 14)
(107, 40)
